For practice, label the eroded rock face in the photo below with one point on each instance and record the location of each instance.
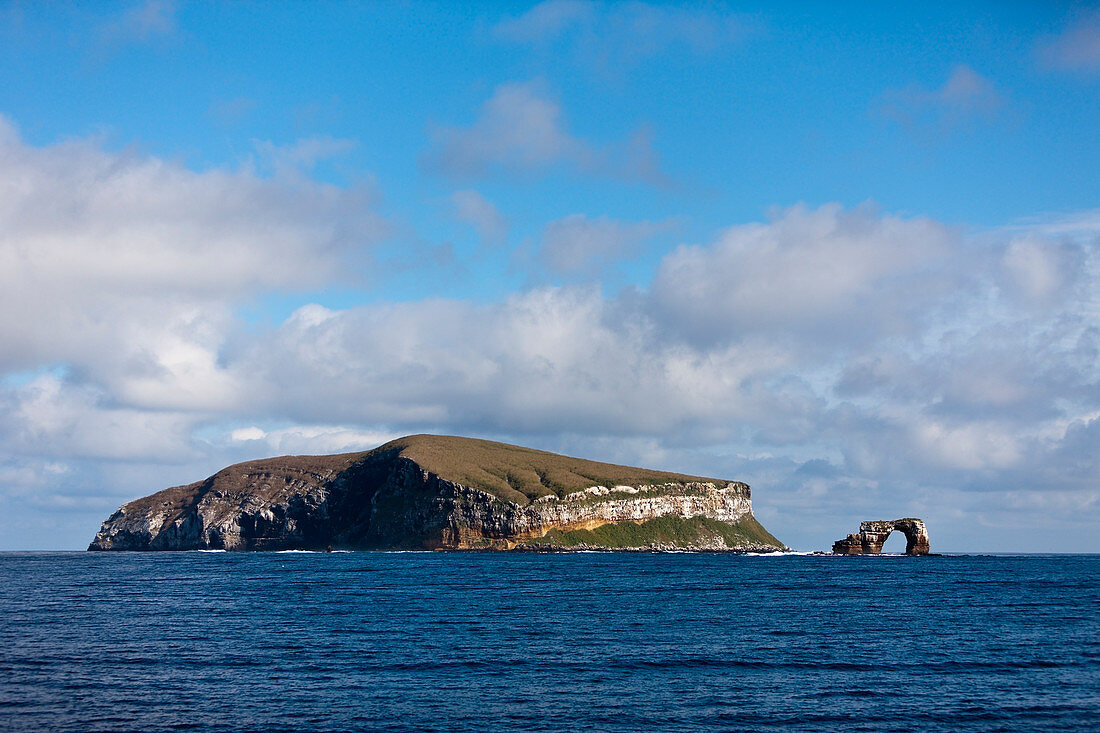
(872, 535)
(383, 500)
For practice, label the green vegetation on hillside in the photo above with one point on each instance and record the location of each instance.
(668, 530)
(521, 474)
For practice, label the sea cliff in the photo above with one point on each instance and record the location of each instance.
(440, 492)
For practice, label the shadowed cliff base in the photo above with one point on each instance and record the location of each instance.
(440, 492)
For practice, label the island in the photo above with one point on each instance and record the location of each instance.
(432, 492)
(872, 535)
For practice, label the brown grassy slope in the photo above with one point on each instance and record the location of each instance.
(267, 478)
(521, 474)
(508, 471)
(173, 500)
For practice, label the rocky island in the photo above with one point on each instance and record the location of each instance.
(872, 535)
(440, 493)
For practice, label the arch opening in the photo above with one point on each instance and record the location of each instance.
(895, 544)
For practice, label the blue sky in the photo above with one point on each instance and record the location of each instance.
(846, 254)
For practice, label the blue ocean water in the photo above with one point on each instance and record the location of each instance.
(558, 642)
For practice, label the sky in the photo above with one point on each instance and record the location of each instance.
(848, 254)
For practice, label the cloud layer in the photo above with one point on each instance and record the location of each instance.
(849, 360)
(1077, 48)
(618, 34)
(966, 95)
(521, 131)
(578, 244)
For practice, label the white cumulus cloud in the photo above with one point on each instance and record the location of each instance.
(843, 275)
(131, 266)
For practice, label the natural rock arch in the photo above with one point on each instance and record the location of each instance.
(872, 535)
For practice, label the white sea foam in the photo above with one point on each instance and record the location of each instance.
(776, 554)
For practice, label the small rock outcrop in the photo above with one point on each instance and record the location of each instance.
(872, 535)
(440, 492)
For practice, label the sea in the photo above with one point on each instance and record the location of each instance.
(376, 641)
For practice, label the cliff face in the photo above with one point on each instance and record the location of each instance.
(430, 492)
